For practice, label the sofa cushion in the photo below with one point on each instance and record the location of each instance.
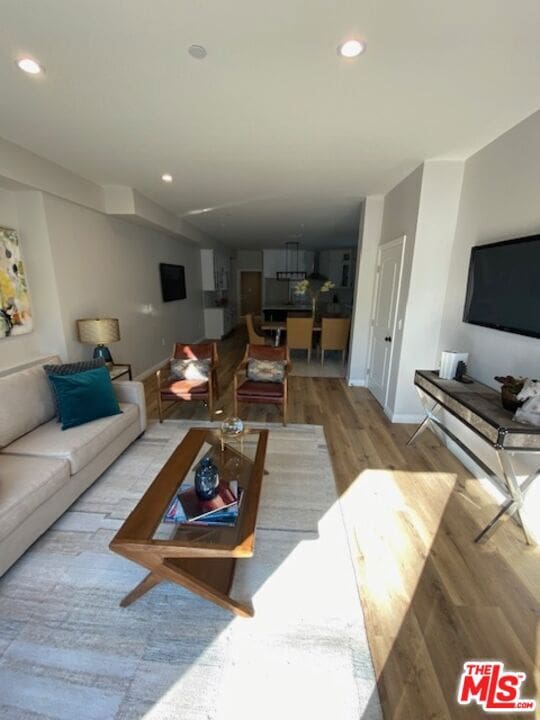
(26, 402)
(26, 483)
(72, 368)
(85, 396)
(78, 445)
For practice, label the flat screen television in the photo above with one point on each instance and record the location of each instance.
(503, 289)
(173, 282)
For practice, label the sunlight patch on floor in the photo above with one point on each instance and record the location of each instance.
(392, 533)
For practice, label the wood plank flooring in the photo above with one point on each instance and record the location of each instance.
(432, 599)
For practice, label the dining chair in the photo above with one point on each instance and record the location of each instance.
(254, 391)
(300, 334)
(334, 335)
(253, 335)
(175, 389)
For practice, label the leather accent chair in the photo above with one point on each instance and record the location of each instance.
(300, 334)
(335, 335)
(170, 388)
(270, 393)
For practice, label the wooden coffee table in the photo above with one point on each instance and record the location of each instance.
(200, 558)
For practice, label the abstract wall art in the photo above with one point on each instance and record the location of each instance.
(15, 309)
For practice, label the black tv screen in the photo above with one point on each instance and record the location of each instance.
(503, 290)
(173, 282)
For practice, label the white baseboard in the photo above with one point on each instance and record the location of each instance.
(405, 419)
(356, 382)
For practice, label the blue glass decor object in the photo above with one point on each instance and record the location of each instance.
(232, 426)
(206, 479)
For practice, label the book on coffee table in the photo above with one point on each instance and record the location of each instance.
(187, 507)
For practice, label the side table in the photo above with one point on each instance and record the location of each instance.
(117, 371)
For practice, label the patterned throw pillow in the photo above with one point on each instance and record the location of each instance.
(86, 396)
(186, 369)
(266, 370)
(73, 368)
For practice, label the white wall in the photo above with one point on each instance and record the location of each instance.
(428, 273)
(23, 170)
(368, 243)
(108, 267)
(400, 218)
(249, 260)
(24, 211)
(499, 200)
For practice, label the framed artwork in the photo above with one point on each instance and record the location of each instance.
(15, 309)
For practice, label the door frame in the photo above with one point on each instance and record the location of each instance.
(239, 286)
(401, 240)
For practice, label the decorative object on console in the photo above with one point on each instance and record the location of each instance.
(84, 396)
(15, 309)
(206, 479)
(99, 332)
(529, 412)
(449, 362)
(461, 372)
(510, 388)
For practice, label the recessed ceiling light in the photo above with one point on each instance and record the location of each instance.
(32, 67)
(167, 177)
(197, 51)
(351, 48)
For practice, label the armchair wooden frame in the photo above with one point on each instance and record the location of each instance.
(240, 374)
(208, 351)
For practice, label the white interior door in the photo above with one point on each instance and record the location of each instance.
(383, 321)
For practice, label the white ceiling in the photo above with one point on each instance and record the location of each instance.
(272, 130)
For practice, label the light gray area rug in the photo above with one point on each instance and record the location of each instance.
(69, 652)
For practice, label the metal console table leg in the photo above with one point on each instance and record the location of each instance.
(513, 492)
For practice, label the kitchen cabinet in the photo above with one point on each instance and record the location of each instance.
(339, 266)
(275, 261)
(218, 322)
(215, 269)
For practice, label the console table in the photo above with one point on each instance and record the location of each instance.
(479, 408)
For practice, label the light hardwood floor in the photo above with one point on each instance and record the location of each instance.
(432, 599)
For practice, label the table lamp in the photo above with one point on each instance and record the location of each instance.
(99, 332)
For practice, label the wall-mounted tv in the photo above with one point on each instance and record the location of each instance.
(503, 290)
(173, 282)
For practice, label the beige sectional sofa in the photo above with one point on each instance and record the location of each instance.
(44, 469)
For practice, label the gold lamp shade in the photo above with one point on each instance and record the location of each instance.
(99, 332)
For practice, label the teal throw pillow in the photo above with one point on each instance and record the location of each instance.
(84, 396)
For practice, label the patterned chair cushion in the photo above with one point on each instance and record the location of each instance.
(267, 371)
(188, 369)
